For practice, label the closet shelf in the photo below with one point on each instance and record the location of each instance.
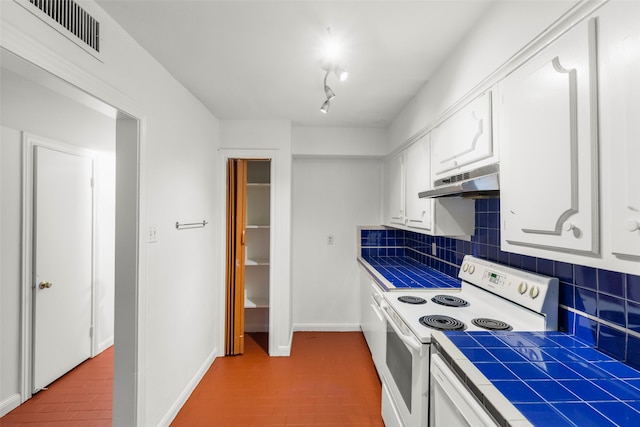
(256, 302)
(253, 226)
(256, 261)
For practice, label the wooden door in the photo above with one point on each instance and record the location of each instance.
(62, 264)
(236, 229)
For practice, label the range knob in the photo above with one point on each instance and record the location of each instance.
(472, 268)
(522, 288)
(465, 267)
(534, 292)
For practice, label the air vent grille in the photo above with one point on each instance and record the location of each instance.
(73, 18)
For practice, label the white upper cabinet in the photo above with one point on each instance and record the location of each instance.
(394, 189)
(418, 211)
(464, 141)
(547, 128)
(407, 173)
(619, 34)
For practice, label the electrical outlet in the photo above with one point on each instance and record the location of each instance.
(434, 249)
(330, 239)
(152, 236)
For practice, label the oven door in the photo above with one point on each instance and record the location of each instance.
(405, 399)
(452, 404)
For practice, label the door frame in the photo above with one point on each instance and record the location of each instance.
(275, 260)
(130, 274)
(29, 143)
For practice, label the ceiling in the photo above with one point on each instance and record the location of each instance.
(261, 60)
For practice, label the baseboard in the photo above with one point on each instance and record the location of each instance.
(326, 327)
(184, 396)
(9, 404)
(102, 346)
(284, 350)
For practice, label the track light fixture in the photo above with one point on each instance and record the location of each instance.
(325, 107)
(328, 92)
(329, 65)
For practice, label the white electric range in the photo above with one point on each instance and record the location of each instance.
(491, 297)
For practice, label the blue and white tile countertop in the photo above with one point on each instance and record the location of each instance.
(551, 378)
(401, 272)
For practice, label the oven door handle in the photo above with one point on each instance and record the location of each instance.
(409, 340)
(376, 309)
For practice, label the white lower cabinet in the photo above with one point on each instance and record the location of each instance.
(547, 127)
(372, 322)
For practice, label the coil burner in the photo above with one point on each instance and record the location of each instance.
(442, 323)
(491, 324)
(449, 301)
(409, 299)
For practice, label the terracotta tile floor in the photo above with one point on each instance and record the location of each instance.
(328, 380)
(83, 397)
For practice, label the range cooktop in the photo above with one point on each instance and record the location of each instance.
(491, 297)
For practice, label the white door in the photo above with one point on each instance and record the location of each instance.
(62, 263)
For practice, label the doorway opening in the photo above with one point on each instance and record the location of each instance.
(17, 341)
(248, 258)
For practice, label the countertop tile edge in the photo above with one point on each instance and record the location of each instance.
(490, 393)
(375, 275)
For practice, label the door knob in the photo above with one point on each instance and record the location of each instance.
(45, 285)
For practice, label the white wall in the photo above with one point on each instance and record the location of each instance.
(177, 303)
(29, 107)
(331, 197)
(270, 138)
(500, 33)
(10, 197)
(318, 141)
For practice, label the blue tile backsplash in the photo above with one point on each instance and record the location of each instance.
(599, 306)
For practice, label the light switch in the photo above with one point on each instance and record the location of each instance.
(330, 239)
(434, 249)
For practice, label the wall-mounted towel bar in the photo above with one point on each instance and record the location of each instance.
(182, 226)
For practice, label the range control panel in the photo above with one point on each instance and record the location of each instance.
(533, 291)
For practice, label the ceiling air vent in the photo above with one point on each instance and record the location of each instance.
(66, 16)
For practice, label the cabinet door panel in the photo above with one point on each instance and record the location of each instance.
(464, 138)
(394, 189)
(418, 211)
(621, 113)
(548, 148)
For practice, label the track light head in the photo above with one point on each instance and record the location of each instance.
(341, 73)
(325, 107)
